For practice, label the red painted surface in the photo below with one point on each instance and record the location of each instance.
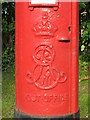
(46, 65)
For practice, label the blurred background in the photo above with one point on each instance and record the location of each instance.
(8, 58)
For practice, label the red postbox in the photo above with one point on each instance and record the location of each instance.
(46, 51)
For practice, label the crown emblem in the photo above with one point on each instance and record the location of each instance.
(45, 27)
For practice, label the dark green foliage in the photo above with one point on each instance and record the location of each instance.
(8, 58)
(8, 35)
(84, 16)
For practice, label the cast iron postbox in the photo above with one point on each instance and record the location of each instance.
(46, 51)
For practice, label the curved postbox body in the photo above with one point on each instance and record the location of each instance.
(46, 59)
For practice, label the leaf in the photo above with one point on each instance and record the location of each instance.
(82, 48)
(85, 34)
(81, 5)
